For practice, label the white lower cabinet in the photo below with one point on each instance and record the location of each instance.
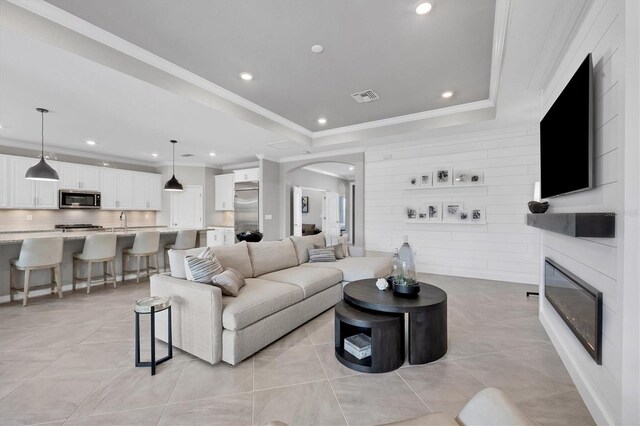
(220, 237)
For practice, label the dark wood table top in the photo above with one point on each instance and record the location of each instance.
(365, 294)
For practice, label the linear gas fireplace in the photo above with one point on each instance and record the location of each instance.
(578, 304)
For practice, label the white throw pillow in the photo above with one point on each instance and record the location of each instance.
(202, 269)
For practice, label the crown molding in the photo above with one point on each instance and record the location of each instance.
(239, 166)
(500, 26)
(321, 155)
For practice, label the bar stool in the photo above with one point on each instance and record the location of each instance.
(97, 248)
(37, 253)
(145, 244)
(186, 239)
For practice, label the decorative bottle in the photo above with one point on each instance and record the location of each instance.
(407, 264)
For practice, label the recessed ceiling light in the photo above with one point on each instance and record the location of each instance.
(90, 142)
(322, 120)
(423, 8)
(351, 168)
(154, 154)
(0, 126)
(212, 154)
(317, 48)
(447, 94)
(246, 76)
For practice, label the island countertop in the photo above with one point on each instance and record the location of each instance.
(13, 237)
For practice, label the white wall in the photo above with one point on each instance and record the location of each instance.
(503, 249)
(269, 199)
(597, 261)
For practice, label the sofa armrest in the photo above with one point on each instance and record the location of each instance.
(196, 311)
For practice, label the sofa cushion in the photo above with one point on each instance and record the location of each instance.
(311, 281)
(236, 257)
(358, 268)
(269, 256)
(303, 244)
(257, 300)
(176, 260)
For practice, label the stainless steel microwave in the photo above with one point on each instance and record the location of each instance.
(72, 199)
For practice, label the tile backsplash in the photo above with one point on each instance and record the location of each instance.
(18, 220)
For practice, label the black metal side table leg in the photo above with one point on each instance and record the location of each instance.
(154, 362)
(153, 341)
(137, 339)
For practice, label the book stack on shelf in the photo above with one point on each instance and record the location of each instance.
(359, 345)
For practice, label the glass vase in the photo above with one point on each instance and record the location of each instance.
(407, 267)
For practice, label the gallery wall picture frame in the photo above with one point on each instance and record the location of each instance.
(464, 216)
(414, 181)
(461, 177)
(426, 179)
(476, 177)
(442, 176)
(451, 211)
(477, 215)
(434, 212)
(411, 213)
(422, 213)
(305, 204)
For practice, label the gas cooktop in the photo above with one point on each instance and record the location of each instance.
(77, 226)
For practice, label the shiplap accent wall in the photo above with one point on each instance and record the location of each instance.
(596, 261)
(502, 249)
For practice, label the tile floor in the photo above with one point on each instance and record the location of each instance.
(71, 362)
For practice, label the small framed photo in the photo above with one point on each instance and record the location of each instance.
(411, 213)
(464, 216)
(476, 177)
(442, 176)
(426, 179)
(462, 177)
(305, 204)
(413, 181)
(452, 210)
(434, 212)
(422, 213)
(477, 215)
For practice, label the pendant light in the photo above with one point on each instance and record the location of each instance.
(42, 171)
(173, 184)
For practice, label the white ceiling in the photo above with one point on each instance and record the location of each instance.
(98, 89)
(409, 60)
(340, 170)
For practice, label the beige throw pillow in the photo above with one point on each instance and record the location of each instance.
(230, 282)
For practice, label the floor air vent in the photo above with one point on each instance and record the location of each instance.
(366, 96)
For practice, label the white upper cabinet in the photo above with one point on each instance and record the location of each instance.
(89, 178)
(125, 189)
(108, 189)
(4, 179)
(154, 193)
(29, 194)
(224, 192)
(246, 175)
(146, 191)
(78, 176)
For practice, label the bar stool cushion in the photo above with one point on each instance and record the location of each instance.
(98, 246)
(38, 252)
(145, 242)
(185, 239)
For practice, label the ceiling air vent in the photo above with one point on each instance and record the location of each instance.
(186, 155)
(366, 96)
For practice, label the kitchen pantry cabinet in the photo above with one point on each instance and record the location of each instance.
(247, 175)
(30, 194)
(224, 192)
(78, 176)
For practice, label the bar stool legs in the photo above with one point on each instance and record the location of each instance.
(108, 271)
(55, 285)
(147, 267)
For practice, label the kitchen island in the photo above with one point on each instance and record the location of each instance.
(10, 243)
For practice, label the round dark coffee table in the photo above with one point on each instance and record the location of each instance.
(427, 315)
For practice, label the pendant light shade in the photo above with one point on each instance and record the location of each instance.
(173, 184)
(42, 171)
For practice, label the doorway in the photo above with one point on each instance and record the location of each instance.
(186, 207)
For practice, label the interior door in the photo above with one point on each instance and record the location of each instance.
(331, 216)
(186, 207)
(297, 211)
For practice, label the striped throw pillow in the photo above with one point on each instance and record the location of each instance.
(327, 254)
(201, 270)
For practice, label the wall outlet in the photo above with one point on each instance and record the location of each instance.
(29, 218)
(268, 217)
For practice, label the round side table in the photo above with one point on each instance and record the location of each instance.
(151, 306)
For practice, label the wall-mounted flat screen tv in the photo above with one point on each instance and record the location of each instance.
(566, 137)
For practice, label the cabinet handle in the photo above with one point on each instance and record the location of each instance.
(80, 184)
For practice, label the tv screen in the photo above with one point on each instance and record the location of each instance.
(566, 135)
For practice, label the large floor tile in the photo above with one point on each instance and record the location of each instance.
(519, 381)
(87, 357)
(376, 399)
(48, 399)
(306, 404)
(282, 367)
(200, 380)
(7, 387)
(443, 386)
(297, 337)
(321, 328)
(141, 417)
(116, 330)
(24, 364)
(223, 410)
(543, 358)
(56, 337)
(565, 409)
(332, 367)
(130, 388)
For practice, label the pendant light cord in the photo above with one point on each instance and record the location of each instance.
(42, 133)
(174, 159)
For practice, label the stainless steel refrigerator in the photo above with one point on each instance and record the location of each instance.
(246, 206)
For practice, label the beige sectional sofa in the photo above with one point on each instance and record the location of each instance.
(282, 292)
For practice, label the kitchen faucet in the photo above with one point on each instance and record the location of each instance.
(123, 215)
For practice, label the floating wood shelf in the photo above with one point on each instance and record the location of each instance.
(586, 225)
